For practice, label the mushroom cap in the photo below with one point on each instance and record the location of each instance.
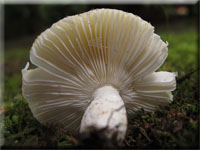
(81, 53)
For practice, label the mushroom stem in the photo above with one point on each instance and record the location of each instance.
(106, 111)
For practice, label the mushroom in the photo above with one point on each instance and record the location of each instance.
(96, 69)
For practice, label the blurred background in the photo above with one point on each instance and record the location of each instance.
(176, 24)
(27, 21)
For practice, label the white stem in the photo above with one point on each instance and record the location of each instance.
(107, 110)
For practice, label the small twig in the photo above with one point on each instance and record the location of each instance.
(144, 133)
(186, 76)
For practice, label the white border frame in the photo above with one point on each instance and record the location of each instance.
(99, 1)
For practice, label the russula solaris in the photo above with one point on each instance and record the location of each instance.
(96, 69)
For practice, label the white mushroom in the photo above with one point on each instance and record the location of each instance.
(95, 69)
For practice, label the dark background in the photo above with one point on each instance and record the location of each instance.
(29, 20)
